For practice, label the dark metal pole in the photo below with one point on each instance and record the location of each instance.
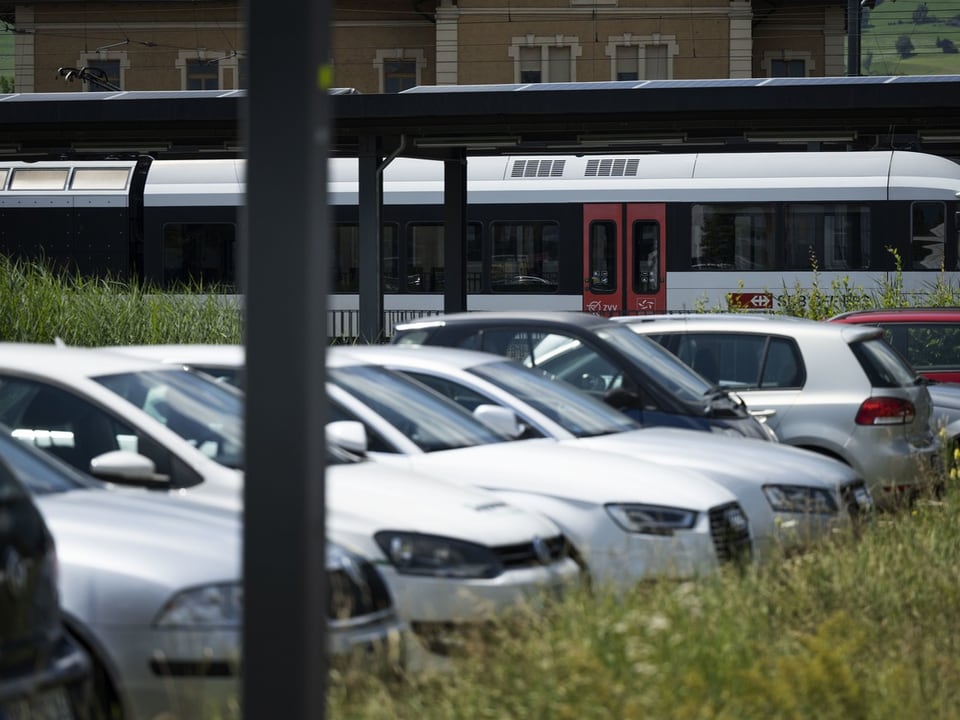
(455, 232)
(853, 37)
(285, 272)
(371, 244)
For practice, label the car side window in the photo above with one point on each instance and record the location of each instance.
(930, 346)
(76, 430)
(725, 359)
(464, 397)
(782, 367)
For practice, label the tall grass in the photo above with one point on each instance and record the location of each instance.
(38, 304)
(862, 628)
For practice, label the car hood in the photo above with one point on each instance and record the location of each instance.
(545, 467)
(364, 498)
(122, 553)
(758, 461)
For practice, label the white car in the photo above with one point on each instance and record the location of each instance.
(151, 586)
(452, 555)
(792, 497)
(139, 421)
(627, 519)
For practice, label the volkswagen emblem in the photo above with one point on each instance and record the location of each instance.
(541, 550)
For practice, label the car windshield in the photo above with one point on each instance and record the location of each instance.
(40, 472)
(579, 413)
(666, 368)
(427, 418)
(205, 413)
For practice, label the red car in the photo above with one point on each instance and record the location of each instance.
(929, 338)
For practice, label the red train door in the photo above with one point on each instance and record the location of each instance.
(623, 259)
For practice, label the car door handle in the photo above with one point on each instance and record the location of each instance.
(769, 412)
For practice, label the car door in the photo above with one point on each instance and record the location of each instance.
(76, 430)
(767, 371)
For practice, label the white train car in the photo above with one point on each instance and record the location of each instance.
(612, 234)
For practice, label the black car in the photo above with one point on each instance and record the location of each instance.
(630, 372)
(43, 672)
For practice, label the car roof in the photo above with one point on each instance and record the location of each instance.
(783, 324)
(525, 317)
(186, 354)
(69, 361)
(901, 314)
(421, 355)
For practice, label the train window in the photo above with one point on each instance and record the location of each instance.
(602, 273)
(733, 237)
(199, 253)
(425, 258)
(646, 256)
(346, 258)
(3, 178)
(830, 237)
(100, 179)
(39, 178)
(474, 258)
(927, 237)
(526, 257)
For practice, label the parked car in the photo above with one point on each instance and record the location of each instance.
(44, 673)
(836, 389)
(610, 507)
(151, 587)
(453, 556)
(627, 519)
(51, 396)
(598, 356)
(928, 337)
(792, 497)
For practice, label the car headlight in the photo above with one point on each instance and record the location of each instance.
(800, 499)
(207, 606)
(416, 554)
(652, 519)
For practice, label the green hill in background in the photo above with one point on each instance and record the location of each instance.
(905, 37)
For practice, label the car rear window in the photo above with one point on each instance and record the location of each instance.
(882, 364)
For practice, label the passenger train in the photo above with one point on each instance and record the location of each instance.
(606, 233)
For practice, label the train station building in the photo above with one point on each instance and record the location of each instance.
(380, 46)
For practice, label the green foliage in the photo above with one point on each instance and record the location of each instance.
(864, 627)
(40, 305)
(817, 303)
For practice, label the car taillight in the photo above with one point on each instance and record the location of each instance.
(885, 411)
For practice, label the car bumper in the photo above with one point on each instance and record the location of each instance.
(430, 599)
(634, 557)
(897, 468)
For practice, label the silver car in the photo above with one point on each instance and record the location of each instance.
(837, 389)
(151, 586)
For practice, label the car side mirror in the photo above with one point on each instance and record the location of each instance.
(349, 435)
(123, 467)
(501, 420)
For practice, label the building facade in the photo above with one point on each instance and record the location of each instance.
(382, 46)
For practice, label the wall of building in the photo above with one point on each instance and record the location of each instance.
(447, 41)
